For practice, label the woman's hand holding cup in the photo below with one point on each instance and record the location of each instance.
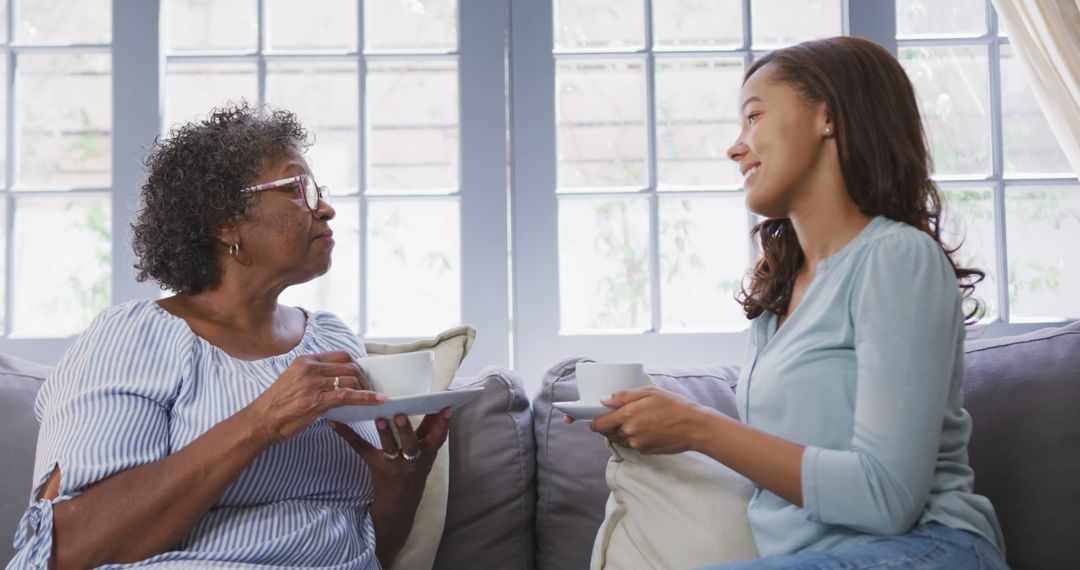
(599, 380)
(311, 385)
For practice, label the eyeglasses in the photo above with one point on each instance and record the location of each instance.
(309, 190)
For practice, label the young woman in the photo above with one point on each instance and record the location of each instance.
(850, 393)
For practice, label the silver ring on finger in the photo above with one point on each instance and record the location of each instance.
(337, 382)
(411, 457)
(391, 456)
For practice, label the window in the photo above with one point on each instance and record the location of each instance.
(639, 238)
(56, 159)
(1014, 200)
(390, 156)
(551, 171)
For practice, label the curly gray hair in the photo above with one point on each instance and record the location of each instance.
(193, 189)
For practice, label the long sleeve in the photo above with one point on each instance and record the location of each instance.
(907, 324)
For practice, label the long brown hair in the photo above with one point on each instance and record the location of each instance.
(883, 156)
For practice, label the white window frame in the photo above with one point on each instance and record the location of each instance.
(138, 74)
(33, 348)
(998, 180)
(539, 344)
(509, 225)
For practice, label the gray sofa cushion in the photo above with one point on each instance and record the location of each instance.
(492, 499)
(571, 489)
(1023, 393)
(19, 383)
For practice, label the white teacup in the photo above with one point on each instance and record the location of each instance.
(396, 375)
(598, 379)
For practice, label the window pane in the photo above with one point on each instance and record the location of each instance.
(3, 122)
(1030, 145)
(62, 278)
(937, 18)
(1043, 228)
(3, 262)
(339, 290)
(64, 21)
(969, 224)
(192, 89)
(325, 96)
(413, 267)
(211, 25)
(65, 120)
(779, 23)
(697, 120)
(953, 89)
(600, 111)
(604, 265)
(704, 253)
(313, 24)
(585, 24)
(698, 23)
(413, 125)
(410, 25)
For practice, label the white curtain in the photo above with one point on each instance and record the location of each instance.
(1046, 36)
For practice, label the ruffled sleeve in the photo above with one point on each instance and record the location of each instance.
(103, 410)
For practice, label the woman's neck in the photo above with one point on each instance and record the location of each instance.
(235, 305)
(826, 222)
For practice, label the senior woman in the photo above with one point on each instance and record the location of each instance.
(187, 431)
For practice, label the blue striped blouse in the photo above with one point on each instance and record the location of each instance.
(139, 384)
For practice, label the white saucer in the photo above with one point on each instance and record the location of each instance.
(581, 411)
(408, 405)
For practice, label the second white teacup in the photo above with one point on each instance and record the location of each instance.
(397, 375)
(598, 379)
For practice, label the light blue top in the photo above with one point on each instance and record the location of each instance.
(867, 374)
(139, 385)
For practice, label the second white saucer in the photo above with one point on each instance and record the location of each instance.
(580, 410)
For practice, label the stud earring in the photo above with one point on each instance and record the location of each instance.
(828, 131)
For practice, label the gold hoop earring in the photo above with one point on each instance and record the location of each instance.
(234, 249)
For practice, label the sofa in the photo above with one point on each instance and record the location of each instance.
(528, 491)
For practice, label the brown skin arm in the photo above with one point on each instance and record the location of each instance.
(147, 510)
(398, 484)
(653, 421)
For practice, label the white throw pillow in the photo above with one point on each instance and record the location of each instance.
(672, 512)
(420, 547)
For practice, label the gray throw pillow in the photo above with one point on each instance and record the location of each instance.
(492, 498)
(19, 383)
(571, 459)
(1022, 393)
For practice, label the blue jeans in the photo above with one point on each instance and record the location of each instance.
(929, 546)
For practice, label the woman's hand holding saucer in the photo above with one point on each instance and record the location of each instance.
(399, 472)
(651, 420)
(311, 385)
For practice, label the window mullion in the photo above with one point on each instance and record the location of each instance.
(362, 179)
(9, 177)
(260, 51)
(137, 65)
(874, 20)
(748, 29)
(651, 162)
(997, 146)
